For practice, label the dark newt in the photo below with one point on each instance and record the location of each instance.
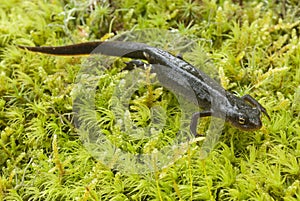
(175, 73)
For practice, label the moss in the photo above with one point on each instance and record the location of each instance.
(254, 48)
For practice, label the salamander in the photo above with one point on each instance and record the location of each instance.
(179, 75)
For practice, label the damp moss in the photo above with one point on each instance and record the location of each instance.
(255, 48)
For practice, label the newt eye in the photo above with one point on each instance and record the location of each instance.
(242, 120)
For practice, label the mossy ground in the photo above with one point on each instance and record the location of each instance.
(255, 47)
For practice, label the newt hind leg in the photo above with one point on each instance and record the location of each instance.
(134, 64)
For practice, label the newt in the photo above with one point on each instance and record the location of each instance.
(174, 72)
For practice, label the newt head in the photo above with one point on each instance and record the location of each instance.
(245, 113)
(248, 119)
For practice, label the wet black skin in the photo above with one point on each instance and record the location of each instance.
(179, 76)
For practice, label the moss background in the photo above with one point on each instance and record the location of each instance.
(255, 46)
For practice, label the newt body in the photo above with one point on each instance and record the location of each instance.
(175, 73)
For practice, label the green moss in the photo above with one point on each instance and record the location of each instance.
(254, 48)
